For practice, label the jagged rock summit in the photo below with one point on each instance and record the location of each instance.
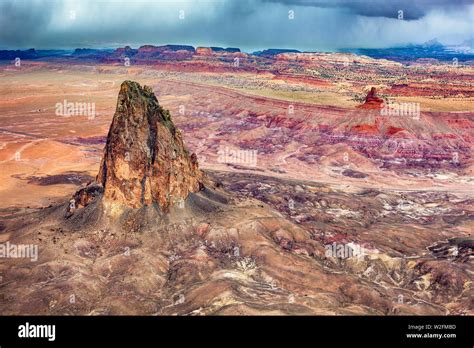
(145, 161)
(372, 101)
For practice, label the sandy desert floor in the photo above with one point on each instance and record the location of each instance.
(356, 189)
(43, 155)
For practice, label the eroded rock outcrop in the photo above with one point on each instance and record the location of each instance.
(204, 51)
(372, 101)
(145, 161)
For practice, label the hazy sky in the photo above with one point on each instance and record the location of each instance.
(248, 24)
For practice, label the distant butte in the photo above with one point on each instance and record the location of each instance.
(372, 101)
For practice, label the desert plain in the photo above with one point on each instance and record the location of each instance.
(293, 134)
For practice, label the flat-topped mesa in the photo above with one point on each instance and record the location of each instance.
(145, 161)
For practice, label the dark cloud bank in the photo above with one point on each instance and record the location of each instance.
(250, 25)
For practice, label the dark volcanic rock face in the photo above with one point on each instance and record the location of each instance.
(145, 160)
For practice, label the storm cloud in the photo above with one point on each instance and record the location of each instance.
(412, 9)
(250, 25)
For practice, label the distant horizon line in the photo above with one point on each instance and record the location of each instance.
(155, 45)
(335, 50)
